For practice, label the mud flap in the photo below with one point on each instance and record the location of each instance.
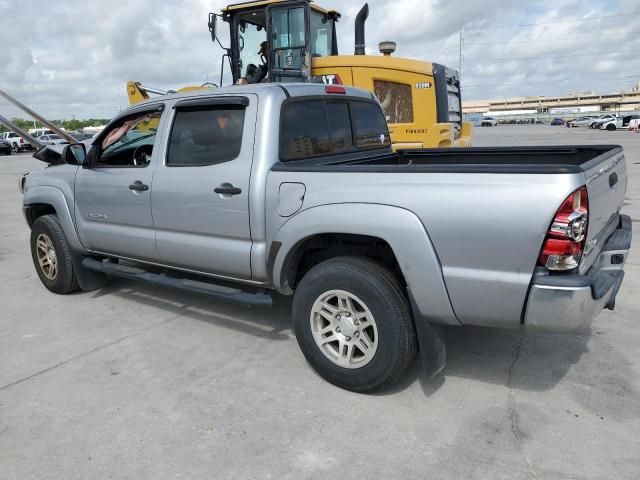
(433, 350)
(87, 279)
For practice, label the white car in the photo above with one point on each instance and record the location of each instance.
(581, 121)
(607, 117)
(619, 122)
(52, 140)
(489, 122)
(40, 132)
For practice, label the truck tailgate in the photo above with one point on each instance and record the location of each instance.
(606, 179)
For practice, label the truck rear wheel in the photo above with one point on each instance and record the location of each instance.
(51, 255)
(353, 323)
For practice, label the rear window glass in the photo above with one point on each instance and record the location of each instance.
(369, 125)
(320, 127)
(205, 136)
(339, 127)
(305, 130)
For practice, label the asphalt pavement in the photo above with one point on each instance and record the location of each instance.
(141, 382)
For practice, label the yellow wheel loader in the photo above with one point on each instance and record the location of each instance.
(296, 41)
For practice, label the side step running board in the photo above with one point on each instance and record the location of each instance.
(219, 291)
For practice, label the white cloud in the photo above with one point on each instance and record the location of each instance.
(74, 58)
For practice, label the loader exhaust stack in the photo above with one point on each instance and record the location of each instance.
(360, 19)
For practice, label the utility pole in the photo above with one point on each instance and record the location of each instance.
(115, 74)
(31, 105)
(461, 41)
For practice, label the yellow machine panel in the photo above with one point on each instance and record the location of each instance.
(405, 89)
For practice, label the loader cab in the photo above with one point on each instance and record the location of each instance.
(275, 41)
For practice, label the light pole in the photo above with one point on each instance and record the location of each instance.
(460, 43)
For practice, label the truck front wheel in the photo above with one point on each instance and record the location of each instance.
(353, 323)
(51, 255)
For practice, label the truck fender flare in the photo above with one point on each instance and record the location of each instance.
(400, 228)
(407, 237)
(48, 195)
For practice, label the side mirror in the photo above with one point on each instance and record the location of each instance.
(213, 19)
(74, 154)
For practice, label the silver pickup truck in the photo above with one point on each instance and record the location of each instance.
(246, 190)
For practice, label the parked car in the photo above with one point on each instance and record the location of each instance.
(489, 122)
(581, 121)
(5, 147)
(80, 136)
(619, 122)
(18, 144)
(42, 131)
(277, 187)
(557, 121)
(52, 140)
(605, 118)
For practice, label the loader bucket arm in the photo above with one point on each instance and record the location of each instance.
(137, 93)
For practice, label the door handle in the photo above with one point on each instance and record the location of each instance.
(138, 186)
(227, 189)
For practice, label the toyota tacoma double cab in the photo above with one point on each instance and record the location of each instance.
(249, 190)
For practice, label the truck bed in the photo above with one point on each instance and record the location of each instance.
(552, 159)
(486, 210)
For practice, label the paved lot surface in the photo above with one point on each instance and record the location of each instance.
(140, 382)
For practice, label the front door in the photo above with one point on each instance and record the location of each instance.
(113, 191)
(201, 190)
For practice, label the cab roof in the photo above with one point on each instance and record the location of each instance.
(265, 3)
(260, 89)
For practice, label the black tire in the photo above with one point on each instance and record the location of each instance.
(64, 281)
(382, 294)
(611, 127)
(14, 148)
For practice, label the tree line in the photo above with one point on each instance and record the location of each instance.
(73, 125)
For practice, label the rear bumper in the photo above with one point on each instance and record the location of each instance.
(568, 303)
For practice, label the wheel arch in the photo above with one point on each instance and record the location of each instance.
(319, 247)
(45, 200)
(392, 235)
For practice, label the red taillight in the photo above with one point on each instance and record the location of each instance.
(566, 236)
(335, 89)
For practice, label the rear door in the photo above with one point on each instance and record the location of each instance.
(201, 190)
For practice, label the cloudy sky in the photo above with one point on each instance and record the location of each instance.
(72, 58)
